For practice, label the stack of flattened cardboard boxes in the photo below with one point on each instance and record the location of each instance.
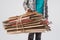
(27, 23)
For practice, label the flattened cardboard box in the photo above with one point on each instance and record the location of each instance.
(27, 23)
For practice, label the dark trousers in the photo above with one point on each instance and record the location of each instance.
(31, 36)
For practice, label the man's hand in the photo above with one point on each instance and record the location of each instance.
(29, 10)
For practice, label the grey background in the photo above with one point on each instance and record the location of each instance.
(10, 8)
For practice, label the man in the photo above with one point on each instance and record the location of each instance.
(40, 6)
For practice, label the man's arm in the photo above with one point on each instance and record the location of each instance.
(25, 4)
(45, 9)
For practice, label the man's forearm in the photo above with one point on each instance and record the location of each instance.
(25, 5)
(45, 14)
(46, 9)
